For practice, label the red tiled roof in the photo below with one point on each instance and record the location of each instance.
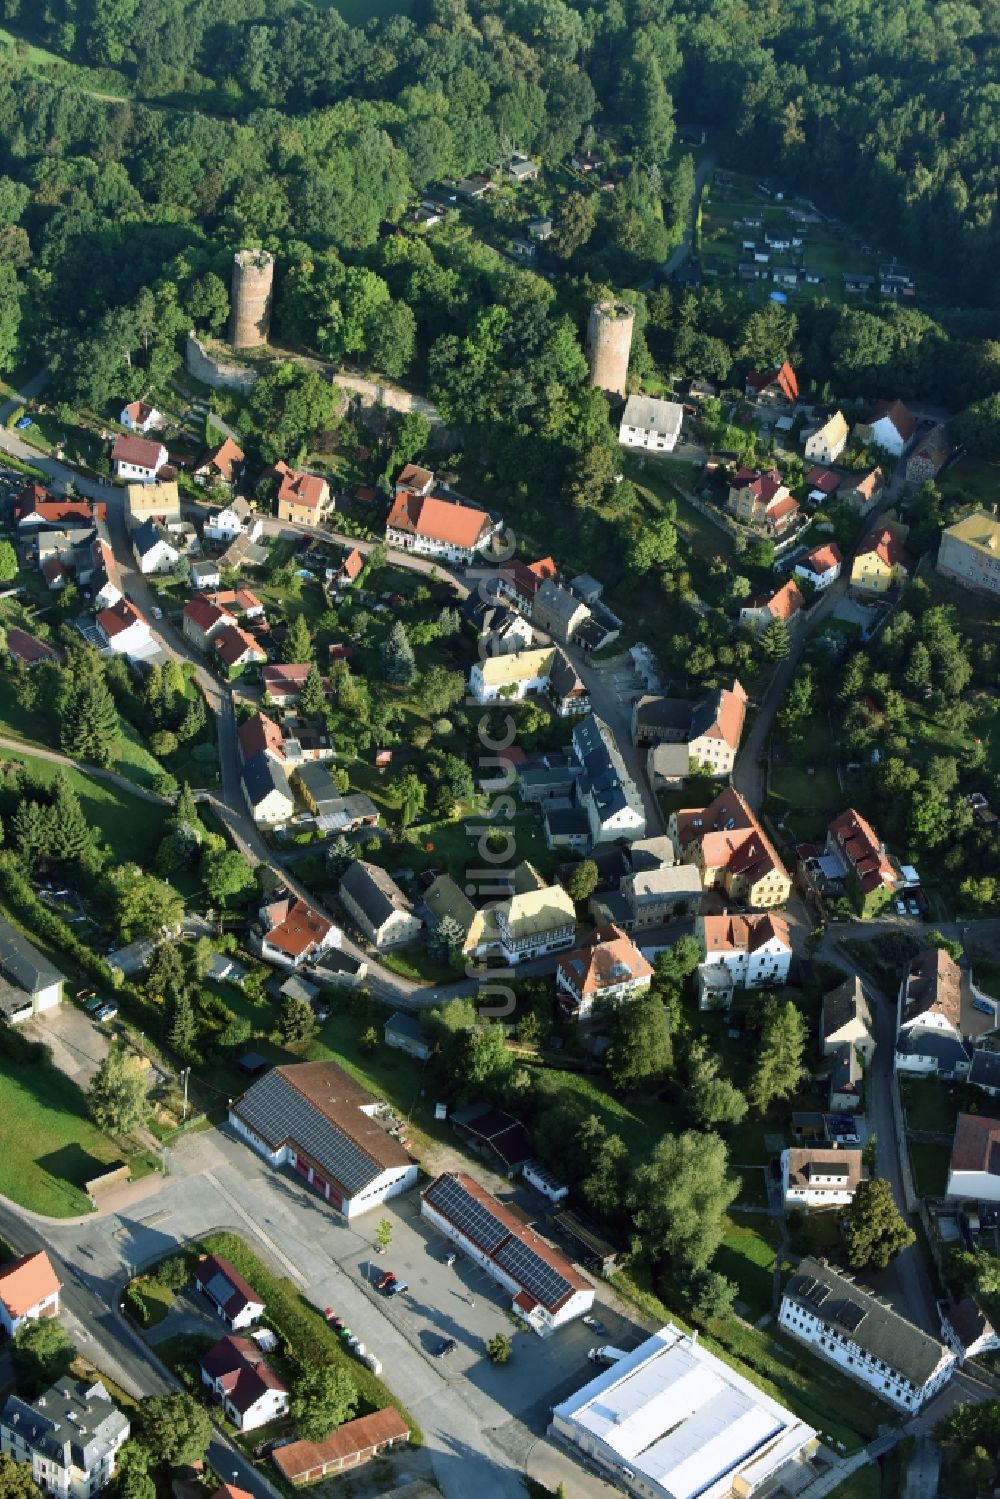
(139, 411)
(119, 617)
(141, 452)
(24, 647)
(821, 558)
(870, 484)
(204, 613)
(744, 933)
(781, 508)
(300, 929)
(232, 644)
(52, 569)
(610, 958)
(785, 602)
(260, 733)
(437, 520)
(27, 1281)
(241, 1368)
(226, 457)
(298, 488)
(886, 544)
(903, 421)
(414, 477)
(933, 984)
(860, 843)
(729, 836)
(282, 678)
(352, 565)
(823, 479)
(62, 512)
(349, 1440)
(242, 1294)
(977, 1144)
(783, 377)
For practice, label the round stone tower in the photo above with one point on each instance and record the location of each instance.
(250, 298)
(609, 343)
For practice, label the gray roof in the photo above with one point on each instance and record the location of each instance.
(375, 892)
(652, 415)
(928, 1041)
(569, 822)
(21, 964)
(845, 1070)
(262, 774)
(401, 1024)
(664, 713)
(148, 536)
(557, 601)
(985, 1069)
(74, 1424)
(296, 987)
(314, 777)
(854, 1313)
(586, 587)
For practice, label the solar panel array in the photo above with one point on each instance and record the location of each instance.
(468, 1215)
(546, 1284)
(272, 1108)
(850, 1315)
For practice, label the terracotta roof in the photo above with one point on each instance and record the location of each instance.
(226, 457)
(805, 1164)
(870, 484)
(26, 1282)
(822, 478)
(729, 836)
(347, 1441)
(284, 678)
(784, 377)
(414, 477)
(230, 1491)
(240, 1366)
(298, 488)
(119, 617)
(610, 958)
(437, 520)
(204, 613)
(232, 644)
(260, 733)
(352, 565)
(744, 933)
(139, 451)
(241, 599)
(933, 984)
(63, 512)
(780, 508)
(821, 558)
(977, 1144)
(24, 647)
(299, 930)
(139, 411)
(785, 602)
(886, 544)
(528, 577)
(903, 421)
(861, 845)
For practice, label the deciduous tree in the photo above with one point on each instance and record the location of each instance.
(117, 1098)
(325, 1396)
(876, 1230)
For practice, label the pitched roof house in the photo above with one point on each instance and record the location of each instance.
(266, 790)
(970, 552)
(784, 604)
(881, 560)
(864, 496)
(246, 1386)
(234, 1299)
(283, 681)
(753, 950)
(139, 416)
(236, 649)
(436, 527)
(728, 846)
(260, 734)
(377, 904)
(812, 1178)
(821, 566)
(974, 1168)
(302, 497)
(852, 840)
(225, 461)
(761, 498)
(294, 933)
(314, 1117)
(202, 620)
(29, 1289)
(779, 384)
(125, 630)
(68, 1437)
(137, 459)
(892, 427)
(351, 1444)
(607, 969)
(826, 444)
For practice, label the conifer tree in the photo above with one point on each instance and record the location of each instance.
(312, 700)
(298, 642)
(91, 729)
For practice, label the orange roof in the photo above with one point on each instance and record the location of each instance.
(870, 484)
(259, 733)
(298, 488)
(226, 456)
(352, 565)
(119, 617)
(732, 712)
(729, 836)
(903, 421)
(139, 411)
(26, 1282)
(205, 613)
(242, 599)
(350, 1439)
(414, 477)
(232, 644)
(822, 558)
(300, 928)
(437, 520)
(786, 602)
(860, 843)
(610, 958)
(744, 933)
(778, 509)
(787, 381)
(886, 544)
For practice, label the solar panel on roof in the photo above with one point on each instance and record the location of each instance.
(273, 1109)
(850, 1315)
(468, 1215)
(537, 1276)
(818, 1294)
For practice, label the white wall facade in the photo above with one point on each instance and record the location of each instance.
(270, 1405)
(885, 436)
(47, 1307)
(70, 1483)
(975, 1184)
(159, 559)
(647, 437)
(390, 1183)
(819, 580)
(839, 1349)
(133, 641)
(429, 546)
(767, 965)
(134, 473)
(511, 692)
(811, 1196)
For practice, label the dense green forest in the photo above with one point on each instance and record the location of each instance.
(174, 131)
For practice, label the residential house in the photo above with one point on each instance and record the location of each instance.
(352, 565)
(546, 1288)
(266, 790)
(302, 498)
(233, 1298)
(159, 502)
(730, 849)
(929, 456)
(314, 1117)
(651, 896)
(649, 423)
(523, 249)
(847, 1020)
(609, 796)
(865, 495)
(557, 611)
(138, 459)
(813, 1178)
(671, 1420)
(243, 1382)
(779, 386)
(201, 622)
(29, 984)
(894, 280)
(974, 1168)
(821, 566)
(967, 1329)
(534, 922)
(36, 511)
(821, 483)
(891, 428)
(69, 1437)
(295, 934)
(862, 1336)
(27, 649)
(710, 730)
(826, 443)
(241, 602)
(761, 498)
(929, 1017)
(105, 580)
(432, 526)
(540, 229)
(29, 1290)
(347, 1447)
(404, 1033)
(479, 929)
(204, 575)
(609, 968)
(984, 1073)
(523, 673)
(754, 951)
(376, 903)
(139, 416)
(969, 553)
(765, 609)
(870, 875)
(856, 282)
(235, 650)
(153, 549)
(223, 463)
(520, 581)
(283, 682)
(881, 561)
(260, 735)
(503, 630)
(125, 631)
(234, 519)
(522, 169)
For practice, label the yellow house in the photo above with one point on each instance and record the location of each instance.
(881, 562)
(302, 498)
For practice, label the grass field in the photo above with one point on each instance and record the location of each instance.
(50, 1146)
(930, 1105)
(33, 726)
(747, 1257)
(987, 976)
(132, 827)
(156, 1300)
(415, 962)
(930, 1168)
(865, 1483)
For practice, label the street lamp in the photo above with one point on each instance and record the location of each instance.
(185, 1074)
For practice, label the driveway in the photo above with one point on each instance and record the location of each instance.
(78, 1044)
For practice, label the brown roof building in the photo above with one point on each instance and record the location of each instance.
(29, 1287)
(932, 985)
(293, 930)
(610, 968)
(728, 846)
(852, 839)
(260, 733)
(353, 1443)
(428, 524)
(225, 459)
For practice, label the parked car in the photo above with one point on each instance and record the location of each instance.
(446, 1345)
(901, 908)
(397, 1287)
(913, 908)
(93, 1006)
(107, 1011)
(385, 1280)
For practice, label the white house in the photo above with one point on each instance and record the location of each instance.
(754, 950)
(929, 1017)
(234, 519)
(974, 1168)
(819, 1178)
(243, 1382)
(137, 460)
(607, 970)
(432, 525)
(547, 1290)
(891, 428)
(314, 1117)
(851, 1328)
(609, 796)
(233, 1298)
(648, 423)
(671, 1421)
(821, 566)
(29, 1289)
(266, 790)
(535, 922)
(124, 630)
(138, 416)
(826, 444)
(29, 984)
(154, 551)
(294, 933)
(69, 1437)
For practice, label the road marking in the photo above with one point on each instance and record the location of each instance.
(238, 1207)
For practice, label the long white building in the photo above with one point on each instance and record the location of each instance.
(850, 1327)
(672, 1421)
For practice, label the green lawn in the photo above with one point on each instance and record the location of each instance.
(747, 1257)
(865, 1483)
(415, 962)
(35, 727)
(930, 1168)
(156, 1300)
(930, 1105)
(50, 1146)
(987, 975)
(132, 827)
(753, 1188)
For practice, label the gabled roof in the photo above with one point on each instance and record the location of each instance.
(932, 984)
(980, 530)
(720, 715)
(729, 836)
(440, 520)
(610, 958)
(977, 1145)
(283, 677)
(226, 458)
(843, 1005)
(26, 1282)
(149, 536)
(243, 1371)
(870, 484)
(203, 613)
(904, 423)
(785, 602)
(805, 1164)
(24, 647)
(784, 377)
(374, 891)
(141, 452)
(140, 411)
(834, 429)
(258, 734)
(232, 644)
(226, 1285)
(823, 479)
(119, 617)
(359, 1436)
(352, 565)
(298, 488)
(887, 544)
(261, 775)
(744, 933)
(821, 558)
(558, 601)
(299, 929)
(861, 846)
(535, 911)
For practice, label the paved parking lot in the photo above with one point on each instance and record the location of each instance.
(463, 1303)
(78, 1044)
